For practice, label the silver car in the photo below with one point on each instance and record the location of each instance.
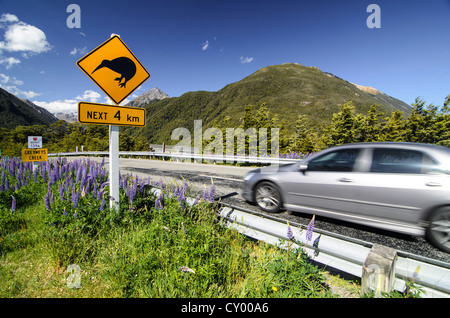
(402, 187)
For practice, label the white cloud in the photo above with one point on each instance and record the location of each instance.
(89, 95)
(10, 84)
(59, 106)
(22, 37)
(8, 80)
(80, 51)
(18, 92)
(246, 59)
(9, 61)
(205, 45)
(69, 105)
(8, 18)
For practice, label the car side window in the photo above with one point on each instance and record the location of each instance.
(339, 160)
(402, 161)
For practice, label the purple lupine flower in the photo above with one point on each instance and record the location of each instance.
(64, 212)
(13, 204)
(197, 199)
(99, 194)
(75, 215)
(75, 198)
(78, 175)
(88, 186)
(94, 189)
(212, 191)
(289, 233)
(159, 203)
(47, 201)
(6, 184)
(102, 204)
(310, 229)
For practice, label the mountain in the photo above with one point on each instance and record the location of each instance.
(68, 117)
(21, 112)
(287, 90)
(148, 97)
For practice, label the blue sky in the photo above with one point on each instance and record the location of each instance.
(206, 44)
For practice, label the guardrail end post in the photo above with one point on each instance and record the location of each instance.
(378, 271)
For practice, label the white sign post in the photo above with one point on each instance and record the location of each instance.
(35, 142)
(114, 167)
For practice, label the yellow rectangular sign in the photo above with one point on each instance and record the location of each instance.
(103, 114)
(29, 155)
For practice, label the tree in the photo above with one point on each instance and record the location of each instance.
(340, 131)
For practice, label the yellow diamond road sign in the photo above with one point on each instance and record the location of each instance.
(102, 114)
(114, 68)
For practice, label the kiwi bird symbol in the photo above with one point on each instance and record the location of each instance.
(122, 65)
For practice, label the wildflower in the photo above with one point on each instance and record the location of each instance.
(274, 289)
(47, 201)
(13, 204)
(159, 203)
(64, 212)
(197, 199)
(75, 215)
(75, 199)
(102, 204)
(212, 191)
(290, 236)
(186, 269)
(310, 229)
(61, 192)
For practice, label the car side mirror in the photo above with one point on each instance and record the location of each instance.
(303, 168)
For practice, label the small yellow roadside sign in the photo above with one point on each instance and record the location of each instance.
(29, 155)
(103, 114)
(114, 68)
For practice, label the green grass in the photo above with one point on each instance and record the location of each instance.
(144, 257)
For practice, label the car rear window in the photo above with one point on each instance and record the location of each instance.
(402, 161)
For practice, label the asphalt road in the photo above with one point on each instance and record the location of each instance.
(228, 182)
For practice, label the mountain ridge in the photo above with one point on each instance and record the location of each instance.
(22, 112)
(286, 90)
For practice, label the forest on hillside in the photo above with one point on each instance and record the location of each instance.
(425, 123)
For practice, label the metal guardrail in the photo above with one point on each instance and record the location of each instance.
(182, 156)
(341, 253)
(329, 249)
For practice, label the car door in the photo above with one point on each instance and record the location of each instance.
(400, 184)
(327, 186)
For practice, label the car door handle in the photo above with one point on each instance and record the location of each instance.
(433, 184)
(345, 180)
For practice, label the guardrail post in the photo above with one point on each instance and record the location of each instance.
(378, 272)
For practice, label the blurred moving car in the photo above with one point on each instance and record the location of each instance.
(402, 187)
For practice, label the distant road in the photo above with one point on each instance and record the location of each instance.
(228, 182)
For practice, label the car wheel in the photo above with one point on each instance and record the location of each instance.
(438, 232)
(268, 197)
